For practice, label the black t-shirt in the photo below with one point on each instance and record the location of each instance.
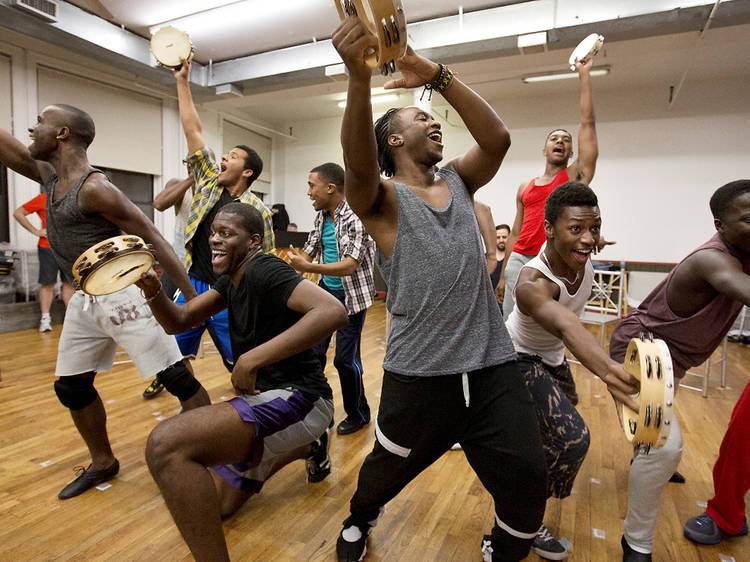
(202, 268)
(258, 313)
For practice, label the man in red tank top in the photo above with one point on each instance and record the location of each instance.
(527, 235)
(692, 310)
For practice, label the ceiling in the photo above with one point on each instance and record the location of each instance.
(274, 55)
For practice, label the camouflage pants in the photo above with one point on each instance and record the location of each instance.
(565, 437)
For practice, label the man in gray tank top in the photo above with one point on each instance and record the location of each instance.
(84, 208)
(450, 372)
(550, 295)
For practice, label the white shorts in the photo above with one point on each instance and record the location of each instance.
(95, 326)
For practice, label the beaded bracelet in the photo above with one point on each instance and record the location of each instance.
(442, 81)
(156, 294)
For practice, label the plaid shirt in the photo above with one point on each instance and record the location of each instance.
(207, 193)
(351, 240)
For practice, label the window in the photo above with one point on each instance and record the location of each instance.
(139, 188)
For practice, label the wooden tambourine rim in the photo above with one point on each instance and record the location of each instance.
(586, 49)
(80, 280)
(390, 48)
(180, 33)
(655, 391)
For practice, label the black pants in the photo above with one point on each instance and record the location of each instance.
(494, 421)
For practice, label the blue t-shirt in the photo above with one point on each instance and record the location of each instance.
(330, 254)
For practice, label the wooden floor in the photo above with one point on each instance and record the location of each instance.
(442, 515)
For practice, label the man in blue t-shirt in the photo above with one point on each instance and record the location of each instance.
(346, 254)
(284, 404)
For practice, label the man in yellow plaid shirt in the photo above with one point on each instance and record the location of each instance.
(216, 184)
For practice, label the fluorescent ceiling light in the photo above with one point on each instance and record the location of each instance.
(376, 99)
(596, 71)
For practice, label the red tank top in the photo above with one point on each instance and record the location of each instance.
(690, 340)
(532, 229)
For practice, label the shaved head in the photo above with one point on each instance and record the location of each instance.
(79, 123)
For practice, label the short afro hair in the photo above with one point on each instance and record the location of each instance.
(252, 220)
(723, 197)
(569, 194)
(331, 173)
(383, 129)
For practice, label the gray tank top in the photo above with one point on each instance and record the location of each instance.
(69, 230)
(445, 317)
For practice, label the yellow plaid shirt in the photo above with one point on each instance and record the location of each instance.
(207, 193)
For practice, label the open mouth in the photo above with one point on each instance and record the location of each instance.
(436, 136)
(581, 255)
(217, 256)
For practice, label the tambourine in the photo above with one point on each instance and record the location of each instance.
(386, 20)
(648, 360)
(586, 49)
(169, 44)
(112, 265)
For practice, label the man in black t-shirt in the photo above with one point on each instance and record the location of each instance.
(275, 318)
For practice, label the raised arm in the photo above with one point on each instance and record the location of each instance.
(176, 319)
(17, 157)
(583, 168)
(322, 314)
(191, 123)
(173, 193)
(98, 195)
(535, 297)
(363, 184)
(487, 229)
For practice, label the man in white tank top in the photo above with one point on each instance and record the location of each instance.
(551, 293)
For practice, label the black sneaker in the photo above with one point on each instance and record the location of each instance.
(547, 546)
(630, 555)
(704, 530)
(88, 478)
(154, 388)
(318, 463)
(352, 543)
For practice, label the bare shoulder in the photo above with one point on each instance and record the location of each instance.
(97, 192)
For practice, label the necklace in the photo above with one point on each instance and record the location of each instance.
(560, 275)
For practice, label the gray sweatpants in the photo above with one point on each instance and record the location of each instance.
(649, 475)
(515, 263)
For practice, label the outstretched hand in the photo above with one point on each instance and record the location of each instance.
(415, 71)
(602, 243)
(622, 386)
(584, 66)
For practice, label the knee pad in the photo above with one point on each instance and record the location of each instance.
(75, 393)
(179, 381)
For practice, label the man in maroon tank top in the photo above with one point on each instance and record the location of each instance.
(692, 310)
(527, 235)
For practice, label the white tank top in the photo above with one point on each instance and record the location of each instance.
(530, 337)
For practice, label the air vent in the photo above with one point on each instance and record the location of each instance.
(45, 9)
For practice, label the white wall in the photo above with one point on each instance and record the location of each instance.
(656, 171)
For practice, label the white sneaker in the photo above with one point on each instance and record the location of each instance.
(45, 324)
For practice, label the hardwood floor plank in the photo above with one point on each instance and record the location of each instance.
(442, 515)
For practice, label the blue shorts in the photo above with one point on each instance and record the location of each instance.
(218, 326)
(285, 419)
